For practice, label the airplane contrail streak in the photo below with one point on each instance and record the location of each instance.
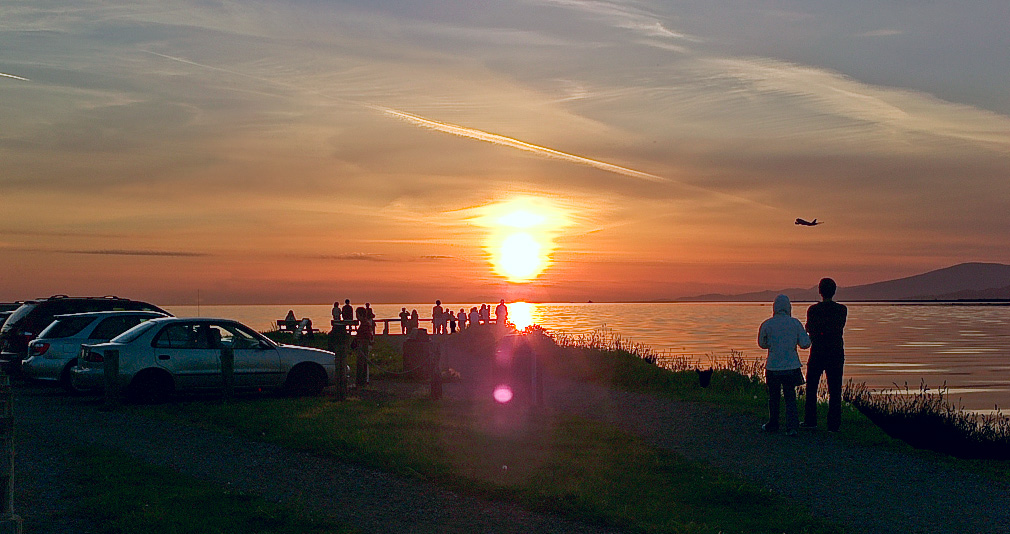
(5, 75)
(496, 139)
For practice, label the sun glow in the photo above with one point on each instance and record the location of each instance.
(521, 237)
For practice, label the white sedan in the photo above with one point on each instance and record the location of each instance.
(162, 356)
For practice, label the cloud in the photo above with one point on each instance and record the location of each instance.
(880, 33)
(620, 16)
(116, 252)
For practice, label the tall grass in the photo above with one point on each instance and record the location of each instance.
(926, 419)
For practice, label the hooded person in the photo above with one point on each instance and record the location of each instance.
(781, 334)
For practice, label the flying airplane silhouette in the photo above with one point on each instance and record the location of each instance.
(803, 222)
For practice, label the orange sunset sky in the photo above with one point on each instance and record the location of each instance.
(547, 150)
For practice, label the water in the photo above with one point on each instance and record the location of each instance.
(966, 347)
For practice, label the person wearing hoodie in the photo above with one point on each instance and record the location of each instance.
(781, 334)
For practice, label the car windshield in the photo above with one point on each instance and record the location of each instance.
(65, 327)
(133, 333)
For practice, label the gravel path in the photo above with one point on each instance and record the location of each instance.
(864, 489)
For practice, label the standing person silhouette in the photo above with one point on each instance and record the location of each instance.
(781, 334)
(501, 313)
(404, 320)
(347, 312)
(437, 318)
(825, 322)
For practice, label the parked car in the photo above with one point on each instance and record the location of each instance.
(167, 355)
(54, 352)
(33, 316)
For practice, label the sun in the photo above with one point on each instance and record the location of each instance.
(519, 257)
(520, 235)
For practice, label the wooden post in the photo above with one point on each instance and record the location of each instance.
(337, 342)
(364, 348)
(111, 365)
(228, 372)
(436, 370)
(9, 523)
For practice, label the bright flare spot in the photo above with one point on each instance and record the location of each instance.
(519, 257)
(521, 314)
(502, 394)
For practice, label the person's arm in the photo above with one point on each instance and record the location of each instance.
(802, 339)
(763, 337)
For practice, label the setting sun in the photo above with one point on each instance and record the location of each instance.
(521, 233)
(519, 257)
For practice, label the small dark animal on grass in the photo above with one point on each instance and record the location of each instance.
(704, 377)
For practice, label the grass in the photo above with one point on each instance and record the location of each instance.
(121, 495)
(926, 419)
(561, 464)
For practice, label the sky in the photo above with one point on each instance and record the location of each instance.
(306, 151)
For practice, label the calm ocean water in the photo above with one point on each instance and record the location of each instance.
(966, 347)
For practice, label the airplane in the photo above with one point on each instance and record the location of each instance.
(803, 222)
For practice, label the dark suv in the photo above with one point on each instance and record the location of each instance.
(33, 316)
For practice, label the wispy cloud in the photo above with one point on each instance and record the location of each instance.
(881, 33)
(115, 252)
(621, 16)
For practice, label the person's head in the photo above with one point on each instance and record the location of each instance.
(782, 305)
(368, 305)
(335, 304)
(827, 288)
(360, 312)
(347, 301)
(503, 301)
(438, 303)
(403, 309)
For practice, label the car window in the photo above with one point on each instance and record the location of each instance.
(191, 336)
(133, 333)
(111, 327)
(65, 327)
(19, 314)
(238, 338)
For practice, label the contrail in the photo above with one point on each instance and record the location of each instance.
(5, 75)
(501, 140)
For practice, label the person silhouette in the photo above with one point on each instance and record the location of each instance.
(501, 313)
(347, 312)
(437, 318)
(825, 323)
(404, 320)
(780, 335)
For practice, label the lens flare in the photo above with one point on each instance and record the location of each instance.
(502, 394)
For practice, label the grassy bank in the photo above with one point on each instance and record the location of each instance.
(120, 495)
(552, 463)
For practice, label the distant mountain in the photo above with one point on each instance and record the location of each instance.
(965, 281)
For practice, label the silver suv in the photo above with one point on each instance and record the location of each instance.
(53, 354)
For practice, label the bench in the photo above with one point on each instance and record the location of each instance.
(294, 327)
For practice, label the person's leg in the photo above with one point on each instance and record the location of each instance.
(792, 414)
(814, 371)
(774, 394)
(834, 373)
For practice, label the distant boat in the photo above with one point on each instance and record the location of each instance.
(804, 222)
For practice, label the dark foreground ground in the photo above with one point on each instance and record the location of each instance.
(865, 489)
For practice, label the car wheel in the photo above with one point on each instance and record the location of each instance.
(306, 380)
(150, 387)
(66, 383)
